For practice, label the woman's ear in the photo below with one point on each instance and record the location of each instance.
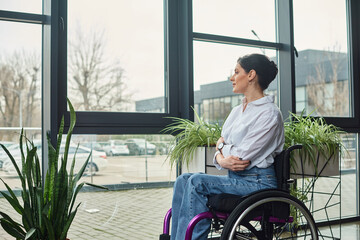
(251, 74)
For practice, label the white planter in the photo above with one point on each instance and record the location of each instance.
(203, 162)
(326, 166)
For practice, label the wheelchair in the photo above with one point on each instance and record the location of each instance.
(265, 214)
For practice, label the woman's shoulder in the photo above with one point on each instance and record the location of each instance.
(271, 111)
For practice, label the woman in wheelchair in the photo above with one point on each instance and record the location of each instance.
(252, 135)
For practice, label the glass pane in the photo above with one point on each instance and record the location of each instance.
(115, 55)
(244, 19)
(134, 167)
(20, 91)
(30, 6)
(322, 67)
(348, 176)
(125, 159)
(212, 74)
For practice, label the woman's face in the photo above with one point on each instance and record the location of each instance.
(239, 80)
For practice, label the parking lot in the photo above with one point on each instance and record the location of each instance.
(121, 170)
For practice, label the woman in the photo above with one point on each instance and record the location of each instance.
(252, 135)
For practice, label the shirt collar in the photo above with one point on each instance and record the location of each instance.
(260, 101)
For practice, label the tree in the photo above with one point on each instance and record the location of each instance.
(327, 93)
(20, 90)
(95, 83)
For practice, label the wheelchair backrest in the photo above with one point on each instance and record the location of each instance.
(280, 170)
(282, 167)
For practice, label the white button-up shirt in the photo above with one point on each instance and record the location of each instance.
(256, 134)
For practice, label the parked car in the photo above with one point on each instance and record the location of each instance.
(97, 162)
(137, 146)
(93, 145)
(115, 147)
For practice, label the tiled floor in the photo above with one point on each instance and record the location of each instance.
(138, 214)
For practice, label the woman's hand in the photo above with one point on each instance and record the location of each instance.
(231, 162)
(221, 139)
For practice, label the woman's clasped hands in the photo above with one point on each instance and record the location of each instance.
(231, 162)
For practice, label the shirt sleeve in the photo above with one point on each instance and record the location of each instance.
(266, 135)
(215, 162)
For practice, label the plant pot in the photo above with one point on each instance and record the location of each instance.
(324, 166)
(203, 162)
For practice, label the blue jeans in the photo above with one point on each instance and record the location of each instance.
(191, 191)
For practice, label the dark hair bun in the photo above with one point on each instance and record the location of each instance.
(264, 67)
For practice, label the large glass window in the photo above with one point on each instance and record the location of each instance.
(244, 19)
(116, 55)
(125, 159)
(30, 6)
(20, 91)
(212, 74)
(322, 67)
(134, 167)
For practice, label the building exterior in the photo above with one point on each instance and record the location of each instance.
(316, 71)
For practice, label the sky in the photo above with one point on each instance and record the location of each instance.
(133, 33)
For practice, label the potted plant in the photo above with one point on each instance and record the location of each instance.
(192, 140)
(319, 158)
(322, 145)
(47, 210)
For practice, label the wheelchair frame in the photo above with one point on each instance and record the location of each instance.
(254, 207)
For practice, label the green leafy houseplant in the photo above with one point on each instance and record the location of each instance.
(320, 141)
(48, 210)
(316, 136)
(188, 136)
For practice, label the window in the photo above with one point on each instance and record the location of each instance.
(212, 74)
(322, 67)
(235, 18)
(20, 90)
(116, 56)
(30, 6)
(125, 159)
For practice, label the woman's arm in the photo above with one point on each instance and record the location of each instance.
(232, 163)
(221, 140)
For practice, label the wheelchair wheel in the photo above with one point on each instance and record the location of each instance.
(271, 214)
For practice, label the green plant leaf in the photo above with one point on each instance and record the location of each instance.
(13, 196)
(13, 162)
(77, 190)
(14, 203)
(68, 223)
(9, 228)
(49, 228)
(30, 233)
(15, 225)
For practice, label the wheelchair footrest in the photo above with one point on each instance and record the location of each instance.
(164, 237)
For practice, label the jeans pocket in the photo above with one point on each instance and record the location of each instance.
(271, 179)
